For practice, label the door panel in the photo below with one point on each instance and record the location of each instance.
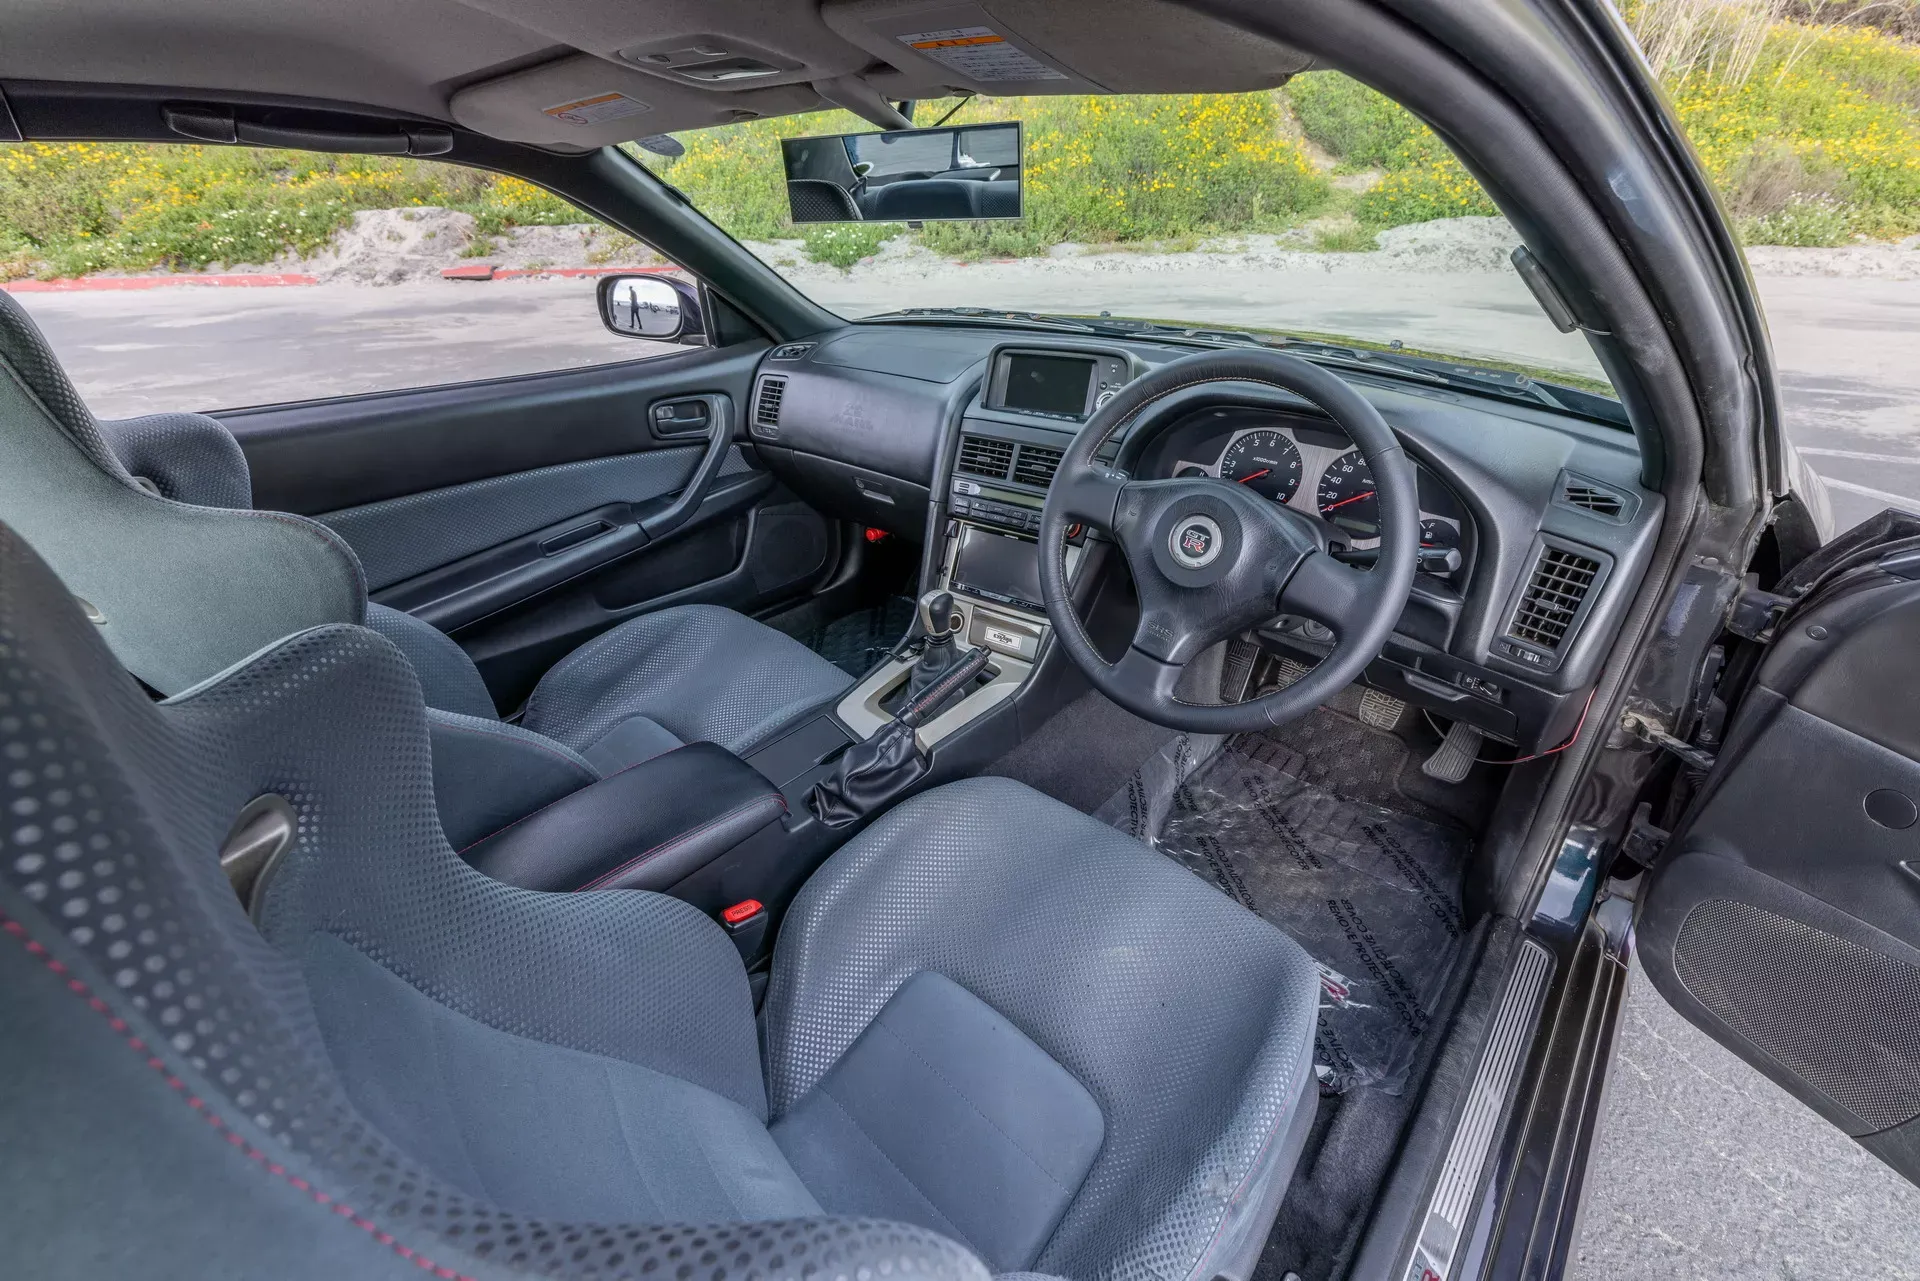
(524, 515)
(1784, 919)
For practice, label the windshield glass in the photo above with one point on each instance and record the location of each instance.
(1321, 210)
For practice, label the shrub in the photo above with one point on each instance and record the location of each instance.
(1353, 122)
(1803, 220)
(843, 244)
(1345, 237)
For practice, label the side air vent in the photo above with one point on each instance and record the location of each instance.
(1036, 465)
(1555, 594)
(766, 407)
(985, 456)
(1594, 498)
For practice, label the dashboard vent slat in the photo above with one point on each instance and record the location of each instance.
(766, 406)
(1555, 592)
(1592, 498)
(985, 456)
(1037, 464)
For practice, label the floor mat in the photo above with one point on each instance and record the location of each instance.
(1372, 892)
(855, 642)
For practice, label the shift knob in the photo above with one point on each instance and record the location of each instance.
(936, 615)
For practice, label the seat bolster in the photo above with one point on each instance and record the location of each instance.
(448, 678)
(487, 773)
(190, 458)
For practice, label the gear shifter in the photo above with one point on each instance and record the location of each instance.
(937, 659)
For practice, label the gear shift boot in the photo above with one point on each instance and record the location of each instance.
(878, 772)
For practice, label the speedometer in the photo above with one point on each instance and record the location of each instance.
(1347, 495)
(1266, 462)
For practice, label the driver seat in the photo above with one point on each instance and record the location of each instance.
(999, 1035)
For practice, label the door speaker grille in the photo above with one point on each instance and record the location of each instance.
(1842, 1018)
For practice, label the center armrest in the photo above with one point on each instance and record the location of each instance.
(645, 828)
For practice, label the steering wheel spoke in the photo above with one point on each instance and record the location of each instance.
(1146, 677)
(1090, 494)
(1325, 590)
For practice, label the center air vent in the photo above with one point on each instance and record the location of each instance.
(1036, 465)
(985, 456)
(1556, 591)
(766, 407)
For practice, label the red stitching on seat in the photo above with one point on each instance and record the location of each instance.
(259, 1158)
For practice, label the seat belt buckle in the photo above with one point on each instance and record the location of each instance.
(746, 924)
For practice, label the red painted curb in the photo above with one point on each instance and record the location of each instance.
(257, 280)
(485, 271)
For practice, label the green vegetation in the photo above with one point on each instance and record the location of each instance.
(1811, 132)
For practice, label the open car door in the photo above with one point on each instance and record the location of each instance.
(1783, 917)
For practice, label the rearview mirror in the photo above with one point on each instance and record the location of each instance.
(905, 175)
(656, 307)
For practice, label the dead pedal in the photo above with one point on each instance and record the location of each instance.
(1382, 710)
(1456, 755)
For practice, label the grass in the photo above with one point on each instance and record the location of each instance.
(1810, 128)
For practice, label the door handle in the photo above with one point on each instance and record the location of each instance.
(687, 417)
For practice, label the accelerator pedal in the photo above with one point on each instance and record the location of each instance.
(1381, 710)
(1456, 755)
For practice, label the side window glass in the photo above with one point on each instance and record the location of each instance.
(181, 277)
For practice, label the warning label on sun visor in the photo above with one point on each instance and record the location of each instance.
(979, 53)
(598, 109)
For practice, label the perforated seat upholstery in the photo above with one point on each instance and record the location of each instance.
(991, 1019)
(149, 520)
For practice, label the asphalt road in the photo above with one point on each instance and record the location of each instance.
(1703, 1167)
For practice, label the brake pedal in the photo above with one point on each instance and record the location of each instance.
(1289, 671)
(1455, 756)
(1381, 710)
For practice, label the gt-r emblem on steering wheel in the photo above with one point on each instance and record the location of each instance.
(1195, 542)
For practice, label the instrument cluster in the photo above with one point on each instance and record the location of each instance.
(1309, 466)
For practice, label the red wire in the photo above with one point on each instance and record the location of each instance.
(1521, 760)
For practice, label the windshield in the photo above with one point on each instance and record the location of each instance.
(1321, 210)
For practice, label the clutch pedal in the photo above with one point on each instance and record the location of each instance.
(1456, 755)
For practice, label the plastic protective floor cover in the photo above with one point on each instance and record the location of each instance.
(1372, 894)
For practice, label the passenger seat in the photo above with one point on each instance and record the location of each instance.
(149, 522)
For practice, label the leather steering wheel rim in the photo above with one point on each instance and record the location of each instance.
(1251, 546)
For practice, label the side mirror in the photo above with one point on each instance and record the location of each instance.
(656, 307)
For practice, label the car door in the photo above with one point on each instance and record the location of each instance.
(1783, 917)
(524, 515)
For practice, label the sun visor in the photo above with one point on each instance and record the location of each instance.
(1092, 46)
(586, 102)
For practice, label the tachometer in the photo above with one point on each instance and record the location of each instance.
(1347, 496)
(1266, 462)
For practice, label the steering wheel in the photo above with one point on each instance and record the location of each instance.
(1211, 559)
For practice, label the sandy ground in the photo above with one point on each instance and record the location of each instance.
(1703, 1168)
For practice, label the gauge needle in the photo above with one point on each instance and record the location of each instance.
(1264, 471)
(1344, 501)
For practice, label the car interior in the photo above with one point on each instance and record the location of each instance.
(919, 796)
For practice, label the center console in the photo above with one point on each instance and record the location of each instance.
(987, 553)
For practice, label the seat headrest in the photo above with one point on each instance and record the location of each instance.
(179, 591)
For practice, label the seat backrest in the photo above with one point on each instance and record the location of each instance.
(179, 591)
(177, 1093)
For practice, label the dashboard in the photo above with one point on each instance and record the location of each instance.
(1536, 523)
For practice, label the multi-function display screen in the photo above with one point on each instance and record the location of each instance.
(1047, 384)
(997, 568)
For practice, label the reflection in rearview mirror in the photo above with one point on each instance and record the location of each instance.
(906, 175)
(643, 306)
